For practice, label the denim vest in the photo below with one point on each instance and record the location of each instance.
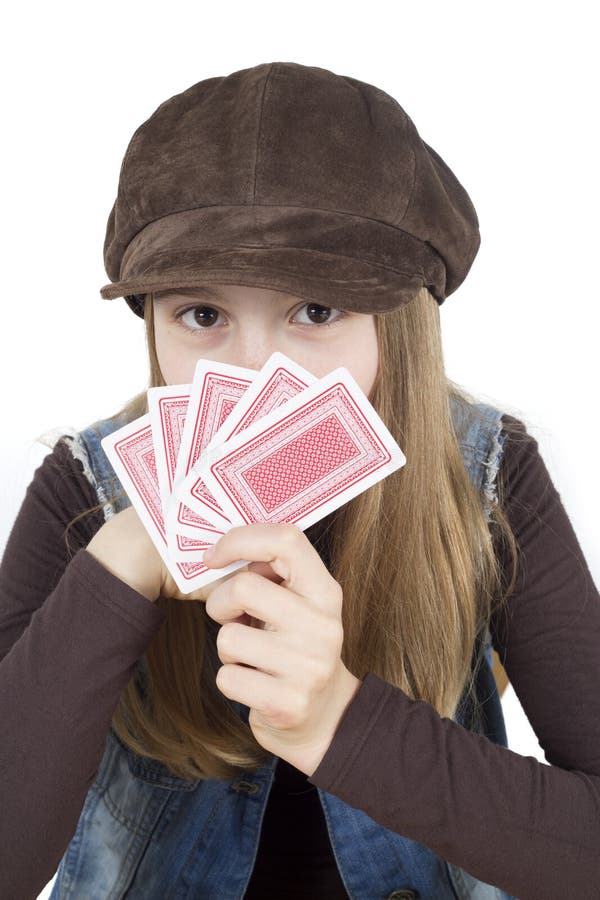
(145, 834)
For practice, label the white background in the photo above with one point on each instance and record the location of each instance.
(507, 96)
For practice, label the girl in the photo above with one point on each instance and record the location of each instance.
(155, 745)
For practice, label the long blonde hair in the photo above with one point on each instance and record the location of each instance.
(413, 554)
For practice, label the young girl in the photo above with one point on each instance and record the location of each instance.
(155, 744)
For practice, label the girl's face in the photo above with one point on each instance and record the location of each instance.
(243, 326)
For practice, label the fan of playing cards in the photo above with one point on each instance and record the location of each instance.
(239, 446)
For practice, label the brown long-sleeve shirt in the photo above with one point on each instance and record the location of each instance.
(71, 634)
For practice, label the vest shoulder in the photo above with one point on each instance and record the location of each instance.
(473, 418)
(85, 445)
(102, 427)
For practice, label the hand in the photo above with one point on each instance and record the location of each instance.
(125, 549)
(290, 674)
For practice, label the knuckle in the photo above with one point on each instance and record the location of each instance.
(332, 631)
(226, 636)
(222, 680)
(291, 714)
(320, 674)
(300, 707)
(221, 641)
(212, 602)
(270, 710)
(285, 718)
(291, 535)
(210, 610)
(241, 584)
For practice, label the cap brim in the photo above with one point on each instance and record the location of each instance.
(329, 258)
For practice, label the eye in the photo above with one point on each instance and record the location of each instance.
(320, 313)
(202, 317)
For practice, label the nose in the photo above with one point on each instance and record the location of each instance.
(253, 349)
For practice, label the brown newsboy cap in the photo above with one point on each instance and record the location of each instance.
(293, 178)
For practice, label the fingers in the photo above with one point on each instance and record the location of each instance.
(288, 672)
(250, 593)
(264, 569)
(289, 554)
(239, 643)
(251, 687)
(283, 656)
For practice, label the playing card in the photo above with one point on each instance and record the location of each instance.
(167, 408)
(301, 461)
(130, 450)
(278, 381)
(215, 391)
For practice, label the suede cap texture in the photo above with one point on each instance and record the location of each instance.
(293, 178)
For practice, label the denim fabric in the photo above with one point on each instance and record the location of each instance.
(145, 834)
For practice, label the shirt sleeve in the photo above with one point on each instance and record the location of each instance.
(70, 636)
(528, 828)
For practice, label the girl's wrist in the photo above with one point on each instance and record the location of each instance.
(125, 571)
